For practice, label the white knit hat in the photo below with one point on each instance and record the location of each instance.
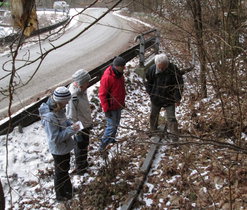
(61, 94)
(81, 76)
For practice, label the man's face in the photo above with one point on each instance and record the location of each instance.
(120, 68)
(83, 87)
(162, 66)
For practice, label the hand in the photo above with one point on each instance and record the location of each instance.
(75, 127)
(108, 114)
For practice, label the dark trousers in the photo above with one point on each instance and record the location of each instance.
(155, 112)
(62, 183)
(81, 148)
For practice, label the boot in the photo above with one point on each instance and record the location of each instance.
(173, 130)
(153, 124)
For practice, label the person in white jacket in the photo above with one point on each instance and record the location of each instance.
(59, 131)
(78, 109)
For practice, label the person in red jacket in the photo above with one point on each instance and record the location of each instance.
(112, 98)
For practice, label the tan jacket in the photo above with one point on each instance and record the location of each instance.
(78, 108)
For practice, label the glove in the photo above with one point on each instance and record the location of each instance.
(108, 114)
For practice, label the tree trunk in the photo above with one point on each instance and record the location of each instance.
(2, 199)
(23, 13)
(232, 25)
(195, 6)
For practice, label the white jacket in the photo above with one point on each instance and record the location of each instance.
(78, 108)
(58, 129)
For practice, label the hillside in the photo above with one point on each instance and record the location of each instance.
(205, 170)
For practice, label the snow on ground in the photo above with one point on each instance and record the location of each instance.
(30, 165)
(131, 19)
(186, 176)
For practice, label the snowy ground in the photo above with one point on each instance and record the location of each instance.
(187, 176)
(30, 165)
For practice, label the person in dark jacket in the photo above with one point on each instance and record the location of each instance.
(164, 84)
(59, 131)
(112, 97)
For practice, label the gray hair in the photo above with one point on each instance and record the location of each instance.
(161, 58)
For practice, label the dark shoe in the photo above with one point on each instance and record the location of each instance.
(82, 168)
(106, 145)
(153, 132)
(81, 171)
(102, 146)
(76, 190)
(103, 153)
(61, 198)
(109, 146)
(84, 165)
(68, 196)
(112, 141)
(173, 137)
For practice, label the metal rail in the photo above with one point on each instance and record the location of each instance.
(30, 114)
(142, 40)
(145, 168)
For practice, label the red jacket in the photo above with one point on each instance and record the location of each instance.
(111, 91)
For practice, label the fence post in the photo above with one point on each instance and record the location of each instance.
(157, 42)
(142, 44)
(141, 49)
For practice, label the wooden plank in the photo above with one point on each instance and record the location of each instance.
(127, 205)
(149, 158)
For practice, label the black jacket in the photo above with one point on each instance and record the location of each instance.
(164, 88)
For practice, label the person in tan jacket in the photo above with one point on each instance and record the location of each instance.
(78, 109)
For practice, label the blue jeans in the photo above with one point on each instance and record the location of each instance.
(112, 122)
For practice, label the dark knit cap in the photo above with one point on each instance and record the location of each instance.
(61, 94)
(119, 61)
